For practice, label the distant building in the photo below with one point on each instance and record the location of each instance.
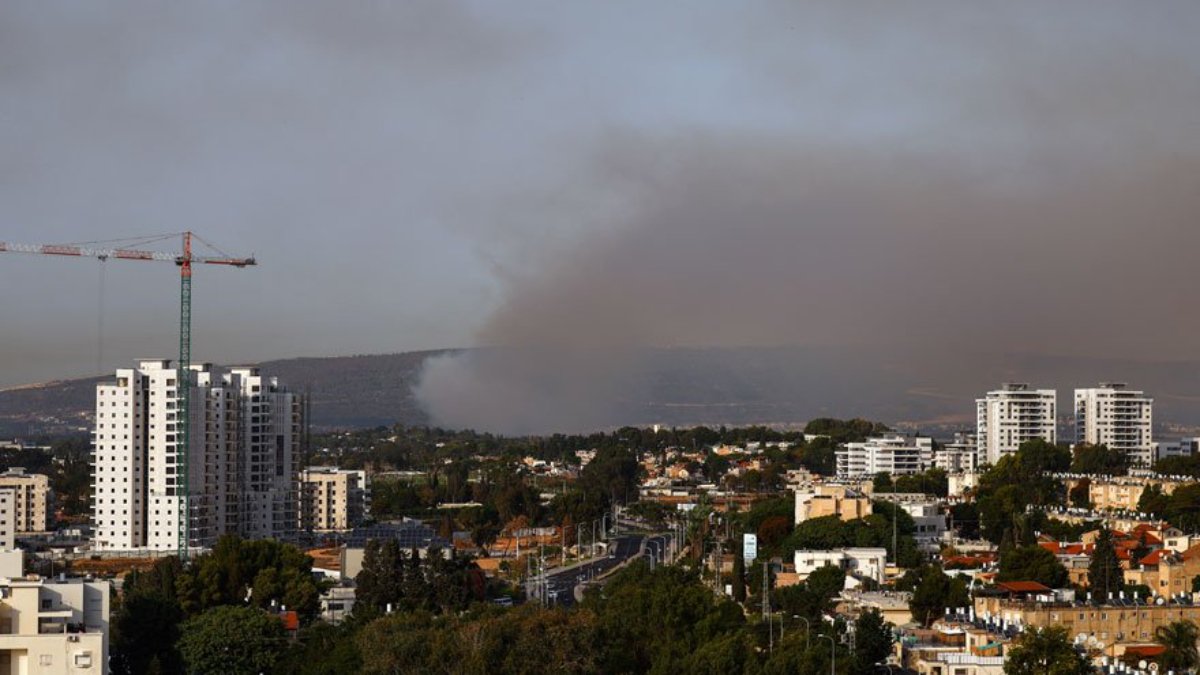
(31, 493)
(1116, 417)
(1006, 418)
(1184, 447)
(926, 513)
(242, 458)
(864, 563)
(332, 499)
(8, 520)
(893, 454)
(831, 500)
(959, 456)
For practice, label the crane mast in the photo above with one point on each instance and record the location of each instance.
(184, 372)
(184, 392)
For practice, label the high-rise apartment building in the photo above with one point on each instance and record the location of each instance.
(1008, 417)
(332, 499)
(31, 499)
(1117, 417)
(242, 457)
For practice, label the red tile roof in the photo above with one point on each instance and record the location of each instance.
(1153, 558)
(1022, 587)
(1145, 650)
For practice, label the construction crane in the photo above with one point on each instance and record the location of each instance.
(122, 249)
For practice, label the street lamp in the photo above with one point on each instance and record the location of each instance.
(807, 628)
(832, 654)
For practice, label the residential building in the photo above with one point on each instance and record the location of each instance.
(1006, 418)
(1106, 625)
(831, 500)
(332, 499)
(1119, 493)
(959, 456)
(1166, 573)
(864, 563)
(927, 516)
(8, 520)
(241, 473)
(1184, 447)
(893, 454)
(1116, 417)
(54, 627)
(32, 499)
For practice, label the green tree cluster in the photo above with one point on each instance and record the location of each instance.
(1045, 651)
(408, 582)
(1018, 481)
(1099, 460)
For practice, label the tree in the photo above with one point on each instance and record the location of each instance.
(873, 642)
(232, 640)
(934, 592)
(1080, 495)
(1045, 651)
(1179, 638)
(1099, 460)
(1032, 563)
(1153, 501)
(1105, 576)
(739, 577)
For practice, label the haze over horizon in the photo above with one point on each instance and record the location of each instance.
(573, 183)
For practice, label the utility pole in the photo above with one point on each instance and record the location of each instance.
(766, 603)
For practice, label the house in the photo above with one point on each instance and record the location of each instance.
(863, 563)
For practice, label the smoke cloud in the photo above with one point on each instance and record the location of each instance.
(1017, 190)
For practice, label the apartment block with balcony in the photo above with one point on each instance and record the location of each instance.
(893, 454)
(31, 493)
(241, 458)
(54, 627)
(332, 499)
(1118, 418)
(1005, 418)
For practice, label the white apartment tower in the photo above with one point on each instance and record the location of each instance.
(1008, 417)
(242, 458)
(1117, 417)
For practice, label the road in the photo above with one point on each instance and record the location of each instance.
(561, 585)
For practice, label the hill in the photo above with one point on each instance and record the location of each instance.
(780, 386)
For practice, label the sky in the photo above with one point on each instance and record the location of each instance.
(572, 181)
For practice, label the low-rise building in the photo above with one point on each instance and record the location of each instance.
(31, 504)
(926, 513)
(54, 627)
(864, 563)
(332, 499)
(1103, 625)
(1166, 573)
(955, 646)
(831, 500)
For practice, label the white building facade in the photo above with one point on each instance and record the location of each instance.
(958, 456)
(1008, 417)
(1184, 447)
(866, 563)
(894, 454)
(1116, 417)
(242, 458)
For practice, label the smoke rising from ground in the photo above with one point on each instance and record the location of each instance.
(1043, 199)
